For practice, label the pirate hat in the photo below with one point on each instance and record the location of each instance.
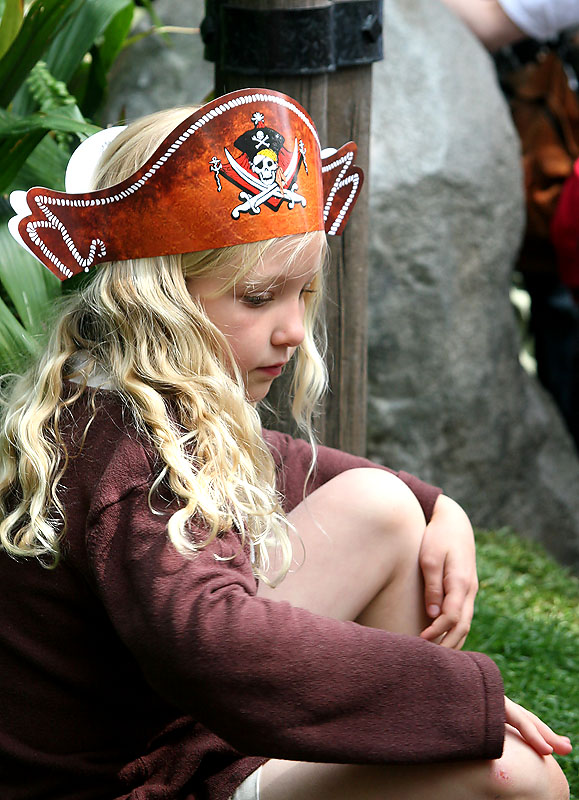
(194, 193)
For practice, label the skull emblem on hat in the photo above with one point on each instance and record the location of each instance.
(265, 165)
(266, 172)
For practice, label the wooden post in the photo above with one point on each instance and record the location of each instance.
(344, 423)
(339, 102)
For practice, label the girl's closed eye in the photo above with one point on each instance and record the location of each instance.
(257, 300)
(256, 297)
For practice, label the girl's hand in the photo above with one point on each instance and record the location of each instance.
(535, 732)
(448, 563)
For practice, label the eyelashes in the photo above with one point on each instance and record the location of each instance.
(258, 300)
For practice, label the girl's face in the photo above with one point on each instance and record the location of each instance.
(262, 316)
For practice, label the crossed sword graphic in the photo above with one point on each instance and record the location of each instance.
(252, 202)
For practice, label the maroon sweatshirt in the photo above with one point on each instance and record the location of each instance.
(130, 671)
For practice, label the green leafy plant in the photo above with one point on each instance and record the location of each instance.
(54, 60)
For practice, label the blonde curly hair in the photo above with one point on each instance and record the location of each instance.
(180, 383)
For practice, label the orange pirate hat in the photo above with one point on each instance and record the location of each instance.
(243, 168)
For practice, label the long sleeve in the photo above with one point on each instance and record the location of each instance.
(273, 680)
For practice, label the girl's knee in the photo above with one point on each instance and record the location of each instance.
(385, 514)
(545, 782)
(557, 780)
(380, 497)
(361, 533)
(523, 774)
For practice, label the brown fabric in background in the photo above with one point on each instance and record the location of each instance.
(546, 114)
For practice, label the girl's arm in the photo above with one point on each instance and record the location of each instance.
(275, 680)
(269, 678)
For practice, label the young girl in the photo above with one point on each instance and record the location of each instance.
(192, 607)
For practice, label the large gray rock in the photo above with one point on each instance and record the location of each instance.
(448, 399)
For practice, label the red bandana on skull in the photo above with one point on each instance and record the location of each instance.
(243, 168)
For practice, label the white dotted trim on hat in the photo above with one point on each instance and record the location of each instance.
(354, 179)
(52, 221)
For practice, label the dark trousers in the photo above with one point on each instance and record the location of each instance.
(555, 329)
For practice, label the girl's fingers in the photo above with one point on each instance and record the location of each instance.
(534, 731)
(433, 575)
(533, 738)
(453, 624)
(560, 744)
(453, 633)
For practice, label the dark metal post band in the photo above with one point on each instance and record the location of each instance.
(304, 41)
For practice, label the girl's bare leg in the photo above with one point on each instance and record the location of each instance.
(521, 774)
(362, 533)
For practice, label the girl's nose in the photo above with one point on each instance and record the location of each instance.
(289, 330)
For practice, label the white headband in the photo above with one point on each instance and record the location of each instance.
(80, 172)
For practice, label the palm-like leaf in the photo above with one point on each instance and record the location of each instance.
(10, 24)
(30, 292)
(60, 32)
(57, 120)
(39, 27)
(30, 287)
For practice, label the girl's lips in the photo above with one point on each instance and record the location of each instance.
(274, 370)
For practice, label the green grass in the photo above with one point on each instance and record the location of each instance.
(527, 620)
